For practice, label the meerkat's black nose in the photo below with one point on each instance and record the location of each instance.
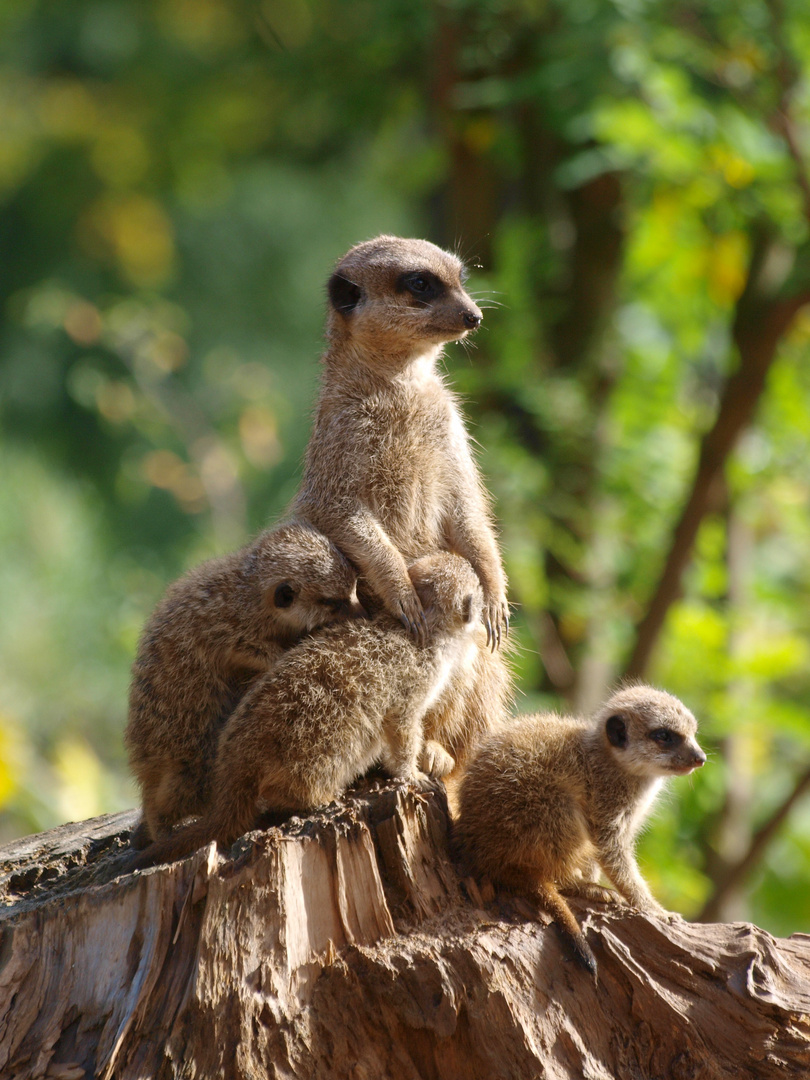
(471, 319)
(699, 758)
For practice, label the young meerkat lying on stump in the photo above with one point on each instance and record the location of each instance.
(353, 695)
(549, 801)
(217, 628)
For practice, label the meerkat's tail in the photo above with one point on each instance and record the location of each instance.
(548, 896)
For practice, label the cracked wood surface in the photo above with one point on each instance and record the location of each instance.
(345, 945)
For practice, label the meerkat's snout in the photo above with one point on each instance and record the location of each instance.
(351, 608)
(472, 319)
(692, 758)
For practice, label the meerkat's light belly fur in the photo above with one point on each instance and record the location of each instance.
(457, 660)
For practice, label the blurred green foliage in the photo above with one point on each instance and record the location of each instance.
(176, 179)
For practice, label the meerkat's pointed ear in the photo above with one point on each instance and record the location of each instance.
(616, 731)
(344, 295)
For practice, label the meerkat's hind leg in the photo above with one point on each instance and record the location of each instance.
(587, 884)
(403, 748)
(591, 890)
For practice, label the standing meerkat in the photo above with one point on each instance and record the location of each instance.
(215, 630)
(550, 800)
(388, 475)
(338, 702)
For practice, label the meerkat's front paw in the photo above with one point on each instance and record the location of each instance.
(435, 761)
(408, 609)
(496, 620)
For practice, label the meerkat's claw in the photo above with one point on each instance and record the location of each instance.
(496, 622)
(412, 617)
(493, 635)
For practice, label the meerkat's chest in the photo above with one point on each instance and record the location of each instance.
(411, 454)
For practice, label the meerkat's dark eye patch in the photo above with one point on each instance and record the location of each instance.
(284, 595)
(332, 604)
(616, 731)
(666, 738)
(344, 295)
(421, 284)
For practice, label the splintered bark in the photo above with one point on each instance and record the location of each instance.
(345, 945)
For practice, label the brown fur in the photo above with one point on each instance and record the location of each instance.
(550, 800)
(341, 700)
(216, 629)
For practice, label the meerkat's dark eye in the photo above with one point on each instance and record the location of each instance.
(616, 730)
(665, 737)
(421, 284)
(332, 604)
(284, 595)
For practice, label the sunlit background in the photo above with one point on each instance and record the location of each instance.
(628, 180)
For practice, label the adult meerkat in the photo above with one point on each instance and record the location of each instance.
(389, 476)
(215, 630)
(550, 800)
(338, 702)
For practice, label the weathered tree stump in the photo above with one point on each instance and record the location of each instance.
(345, 945)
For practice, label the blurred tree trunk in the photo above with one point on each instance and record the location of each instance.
(584, 228)
(345, 946)
(763, 315)
(729, 837)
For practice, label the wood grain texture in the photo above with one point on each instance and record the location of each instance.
(345, 946)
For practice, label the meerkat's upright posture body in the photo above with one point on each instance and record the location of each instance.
(389, 475)
(550, 800)
(353, 695)
(215, 630)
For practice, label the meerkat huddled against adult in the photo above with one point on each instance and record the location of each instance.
(216, 629)
(335, 705)
(549, 800)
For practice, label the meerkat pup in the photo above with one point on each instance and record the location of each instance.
(389, 475)
(353, 695)
(215, 630)
(550, 800)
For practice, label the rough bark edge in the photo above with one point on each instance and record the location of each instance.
(345, 945)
